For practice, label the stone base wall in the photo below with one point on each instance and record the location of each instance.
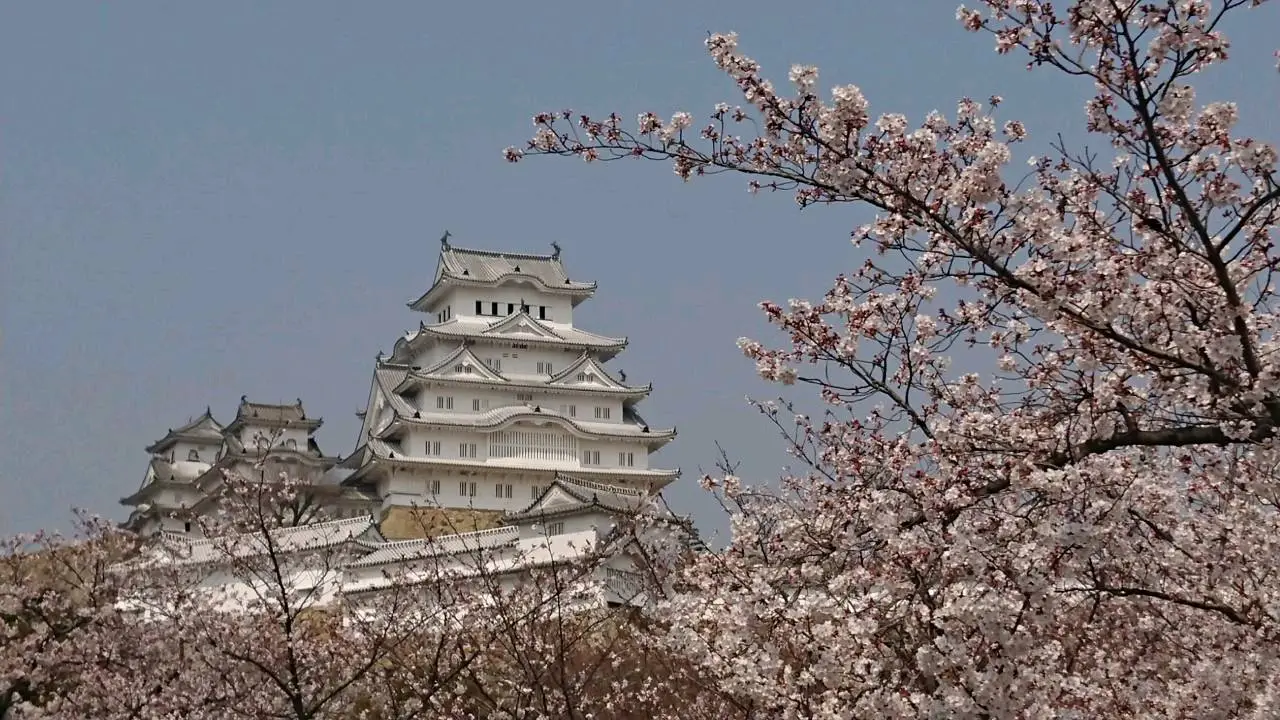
(402, 523)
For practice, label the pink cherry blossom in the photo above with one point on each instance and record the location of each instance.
(1045, 482)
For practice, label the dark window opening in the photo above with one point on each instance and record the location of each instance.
(542, 312)
(494, 308)
(193, 455)
(511, 307)
(186, 526)
(479, 307)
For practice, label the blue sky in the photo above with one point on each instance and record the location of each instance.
(200, 202)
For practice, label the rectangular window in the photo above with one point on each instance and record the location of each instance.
(502, 491)
(545, 368)
(493, 306)
(524, 397)
(590, 457)
(467, 450)
(555, 528)
(467, 489)
(494, 363)
(626, 459)
(535, 492)
(475, 405)
(435, 487)
(433, 447)
(479, 307)
(511, 308)
(444, 403)
(602, 413)
(542, 312)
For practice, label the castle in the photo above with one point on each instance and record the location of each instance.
(494, 426)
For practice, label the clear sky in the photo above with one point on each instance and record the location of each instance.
(230, 198)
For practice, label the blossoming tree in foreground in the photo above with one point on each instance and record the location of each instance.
(1088, 528)
(257, 619)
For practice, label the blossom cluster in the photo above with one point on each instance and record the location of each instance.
(1044, 484)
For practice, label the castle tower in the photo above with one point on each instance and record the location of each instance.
(188, 464)
(495, 396)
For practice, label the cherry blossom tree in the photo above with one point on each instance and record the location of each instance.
(1086, 528)
(57, 600)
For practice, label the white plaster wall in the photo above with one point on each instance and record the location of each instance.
(181, 451)
(407, 488)
(463, 302)
(276, 437)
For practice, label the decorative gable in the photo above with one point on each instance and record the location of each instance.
(464, 365)
(586, 372)
(556, 499)
(522, 324)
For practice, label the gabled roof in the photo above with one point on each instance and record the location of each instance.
(536, 332)
(388, 377)
(302, 538)
(272, 416)
(596, 377)
(522, 323)
(567, 494)
(418, 549)
(203, 429)
(462, 364)
(465, 266)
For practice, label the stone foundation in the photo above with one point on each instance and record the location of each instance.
(402, 523)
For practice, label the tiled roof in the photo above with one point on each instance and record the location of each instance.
(469, 328)
(484, 266)
(488, 266)
(202, 428)
(287, 540)
(405, 550)
(588, 492)
(291, 415)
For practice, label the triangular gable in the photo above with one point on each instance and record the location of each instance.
(586, 371)
(522, 324)
(463, 364)
(557, 497)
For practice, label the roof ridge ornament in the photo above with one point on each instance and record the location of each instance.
(444, 240)
(555, 250)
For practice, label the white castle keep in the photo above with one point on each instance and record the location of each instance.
(495, 424)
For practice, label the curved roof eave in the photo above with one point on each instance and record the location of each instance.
(580, 290)
(665, 435)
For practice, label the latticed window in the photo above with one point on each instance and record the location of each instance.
(533, 445)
